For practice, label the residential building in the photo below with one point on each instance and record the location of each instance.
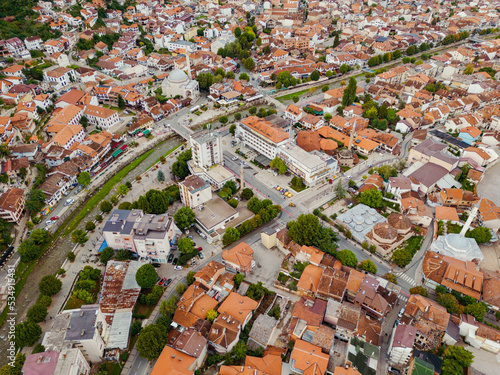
(238, 307)
(209, 274)
(401, 345)
(313, 167)
(59, 77)
(101, 117)
(308, 358)
(173, 361)
(195, 191)
(12, 205)
(261, 135)
(147, 235)
(262, 331)
(239, 258)
(206, 149)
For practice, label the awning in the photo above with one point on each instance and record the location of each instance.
(146, 132)
(117, 152)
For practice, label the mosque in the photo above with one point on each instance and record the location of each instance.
(180, 83)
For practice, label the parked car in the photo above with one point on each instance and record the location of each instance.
(393, 370)
(190, 237)
(199, 248)
(401, 312)
(54, 218)
(201, 255)
(291, 204)
(178, 268)
(174, 262)
(49, 222)
(234, 158)
(168, 282)
(69, 201)
(170, 258)
(156, 265)
(162, 281)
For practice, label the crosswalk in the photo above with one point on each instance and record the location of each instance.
(406, 278)
(403, 298)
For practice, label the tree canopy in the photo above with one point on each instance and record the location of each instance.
(146, 276)
(372, 198)
(184, 217)
(348, 258)
(49, 285)
(152, 341)
(84, 178)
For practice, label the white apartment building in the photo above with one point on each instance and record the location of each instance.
(147, 235)
(206, 149)
(195, 191)
(59, 77)
(17, 48)
(12, 205)
(401, 347)
(100, 116)
(261, 135)
(312, 167)
(34, 42)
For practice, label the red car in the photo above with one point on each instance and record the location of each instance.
(54, 218)
(199, 248)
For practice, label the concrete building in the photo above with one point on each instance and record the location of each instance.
(313, 167)
(206, 149)
(179, 83)
(12, 205)
(401, 346)
(195, 191)
(147, 235)
(360, 220)
(261, 135)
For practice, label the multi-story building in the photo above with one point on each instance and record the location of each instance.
(312, 167)
(34, 42)
(17, 48)
(147, 235)
(206, 149)
(12, 205)
(195, 191)
(401, 346)
(68, 361)
(261, 135)
(100, 116)
(60, 76)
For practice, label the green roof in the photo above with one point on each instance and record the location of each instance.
(146, 132)
(117, 152)
(422, 368)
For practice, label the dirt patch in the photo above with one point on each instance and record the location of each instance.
(491, 259)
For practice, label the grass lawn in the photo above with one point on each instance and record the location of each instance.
(143, 311)
(290, 96)
(105, 189)
(112, 368)
(113, 108)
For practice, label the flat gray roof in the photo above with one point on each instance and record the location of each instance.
(360, 220)
(120, 329)
(216, 211)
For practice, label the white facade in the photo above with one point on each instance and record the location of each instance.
(311, 167)
(206, 149)
(259, 142)
(102, 117)
(195, 191)
(72, 362)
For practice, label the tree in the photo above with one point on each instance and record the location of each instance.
(36, 313)
(27, 334)
(146, 276)
(35, 201)
(135, 328)
(79, 236)
(184, 217)
(449, 301)
(185, 245)
(106, 255)
(336, 41)
(339, 190)
(349, 93)
(344, 68)
(372, 198)
(244, 77)
(314, 75)
(180, 288)
(121, 102)
(106, 206)
(304, 230)
(279, 165)
(190, 277)
(113, 200)
(71, 256)
(480, 234)
(84, 178)
(419, 290)
(122, 190)
(123, 254)
(238, 279)
(84, 121)
(477, 310)
(368, 266)
(249, 64)
(151, 341)
(455, 359)
(233, 203)
(347, 258)
(28, 250)
(49, 285)
(240, 351)
(230, 235)
(390, 277)
(160, 176)
(98, 218)
(212, 315)
(325, 88)
(232, 128)
(167, 308)
(246, 194)
(38, 348)
(39, 236)
(295, 99)
(89, 226)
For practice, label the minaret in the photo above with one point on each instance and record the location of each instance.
(471, 217)
(188, 63)
(242, 176)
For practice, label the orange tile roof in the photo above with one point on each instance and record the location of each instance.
(472, 131)
(306, 355)
(239, 307)
(310, 278)
(446, 213)
(173, 362)
(241, 255)
(266, 129)
(269, 364)
(203, 305)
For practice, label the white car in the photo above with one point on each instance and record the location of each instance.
(49, 222)
(178, 268)
(234, 158)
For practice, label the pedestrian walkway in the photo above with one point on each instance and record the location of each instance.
(403, 297)
(406, 278)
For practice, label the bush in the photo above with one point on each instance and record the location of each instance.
(419, 290)
(71, 256)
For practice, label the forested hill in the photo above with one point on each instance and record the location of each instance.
(23, 24)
